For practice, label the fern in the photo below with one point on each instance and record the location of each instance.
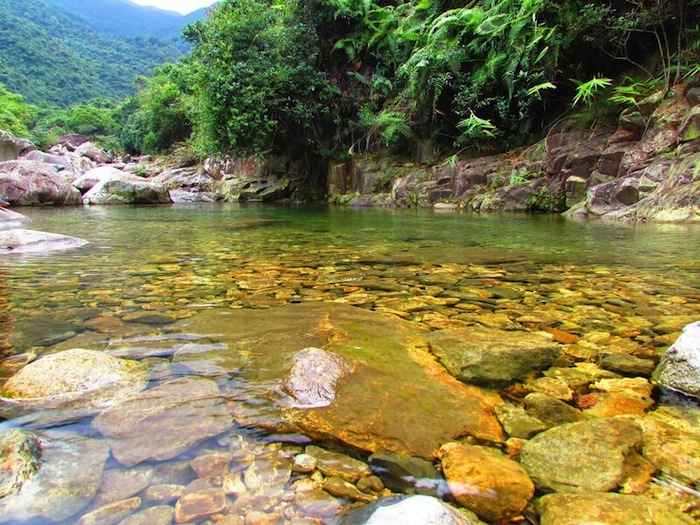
(586, 91)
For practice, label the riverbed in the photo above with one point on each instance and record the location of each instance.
(153, 276)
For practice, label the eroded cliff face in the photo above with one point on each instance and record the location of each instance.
(647, 168)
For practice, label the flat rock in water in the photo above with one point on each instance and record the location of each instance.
(610, 509)
(313, 378)
(67, 480)
(126, 192)
(162, 422)
(679, 368)
(586, 456)
(71, 384)
(492, 357)
(397, 399)
(12, 219)
(32, 241)
(406, 510)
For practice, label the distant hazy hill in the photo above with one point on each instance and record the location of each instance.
(48, 56)
(122, 17)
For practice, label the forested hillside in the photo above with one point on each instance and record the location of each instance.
(51, 58)
(324, 78)
(121, 17)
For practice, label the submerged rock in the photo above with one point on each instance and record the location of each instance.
(20, 457)
(397, 399)
(491, 357)
(313, 378)
(164, 421)
(31, 241)
(66, 481)
(406, 510)
(610, 509)
(587, 456)
(11, 219)
(71, 384)
(679, 368)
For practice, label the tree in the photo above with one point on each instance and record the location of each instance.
(15, 114)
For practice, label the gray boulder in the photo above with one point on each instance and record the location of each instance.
(127, 192)
(586, 456)
(314, 376)
(406, 510)
(91, 178)
(67, 479)
(47, 158)
(92, 152)
(679, 368)
(27, 183)
(492, 357)
(31, 241)
(11, 147)
(162, 422)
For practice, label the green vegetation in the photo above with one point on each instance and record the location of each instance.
(321, 79)
(53, 59)
(15, 114)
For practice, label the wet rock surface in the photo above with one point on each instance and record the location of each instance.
(164, 421)
(679, 368)
(30, 241)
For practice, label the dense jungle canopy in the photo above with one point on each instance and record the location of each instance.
(321, 79)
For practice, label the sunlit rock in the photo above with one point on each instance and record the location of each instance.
(162, 422)
(485, 481)
(397, 399)
(32, 241)
(587, 456)
(611, 509)
(486, 356)
(679, 368)
(91, 178)
(70, 385)
(66, 481)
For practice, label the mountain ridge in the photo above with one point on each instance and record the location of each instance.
(50, 57)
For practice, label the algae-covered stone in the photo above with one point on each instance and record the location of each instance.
(492, 357)
(586, 456)
(397, 399)
(20, 458)
(67, 480)
(610, 509)
(679, 368)
(485, 481)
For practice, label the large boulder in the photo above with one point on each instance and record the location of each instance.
(375, 407)
(187, 185)
(160, 423)
(95, 154)
(27, 183)
(68, 477)
(62, 162)
(71, 384)
(11, 147)
(492, 357)
(91, 178)
(127, 192)
(31, 241)
(586, 456)
(679, 368)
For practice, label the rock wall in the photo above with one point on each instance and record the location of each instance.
(645, 168)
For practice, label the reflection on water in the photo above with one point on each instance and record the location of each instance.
(148, 270)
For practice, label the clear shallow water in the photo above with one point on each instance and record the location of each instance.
(187, 260)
